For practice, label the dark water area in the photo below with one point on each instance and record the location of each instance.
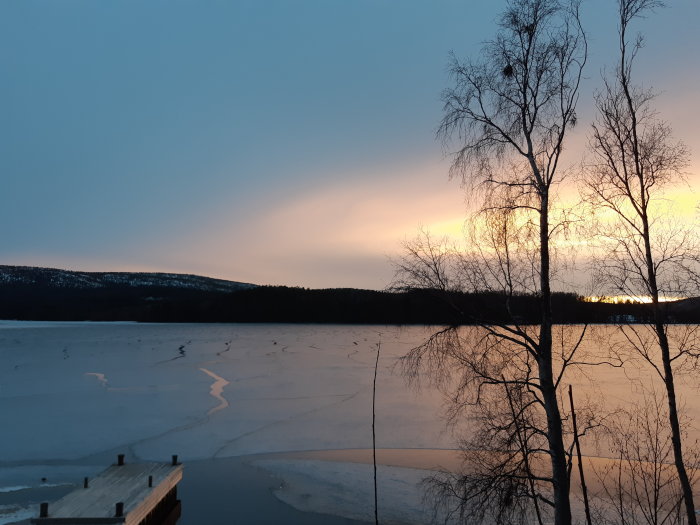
(31, 497)
(229, 490)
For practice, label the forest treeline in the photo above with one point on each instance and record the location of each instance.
(282, 304)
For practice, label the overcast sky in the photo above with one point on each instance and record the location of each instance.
(274, 142)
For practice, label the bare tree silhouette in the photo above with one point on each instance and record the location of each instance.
(508, 115)
(640, 483)
(635, 159)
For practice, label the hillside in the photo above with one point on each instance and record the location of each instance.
(48, 278)
(33, 293)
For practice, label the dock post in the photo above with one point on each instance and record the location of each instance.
(174, 459)
(120, 459)
(121, 495)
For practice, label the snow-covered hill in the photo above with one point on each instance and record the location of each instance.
(52, 277)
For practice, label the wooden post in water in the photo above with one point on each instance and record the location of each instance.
(85, 483)
(119, 511)
(174, 460)
(44, 510)
(120, 460)
(150, 481)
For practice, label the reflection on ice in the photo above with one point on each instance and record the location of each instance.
(297, 387)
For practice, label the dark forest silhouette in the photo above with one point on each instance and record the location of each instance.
(47, 301)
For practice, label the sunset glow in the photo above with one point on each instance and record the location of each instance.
(350, 261)
(198, 165)
(620, 299)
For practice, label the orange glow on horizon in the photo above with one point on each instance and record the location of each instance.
(619, 299)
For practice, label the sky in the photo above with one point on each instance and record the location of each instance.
(272, 142)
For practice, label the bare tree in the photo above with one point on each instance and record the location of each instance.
(639, 484)
(374, 434)
(504, 477)
(635, 161)
(508, 115)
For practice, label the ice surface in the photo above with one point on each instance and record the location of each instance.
(73, 395)
(75, 391)
(347, 489)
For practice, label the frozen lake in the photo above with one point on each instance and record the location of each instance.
(74, 392)
(73, 395)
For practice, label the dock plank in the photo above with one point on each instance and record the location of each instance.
(126, 483)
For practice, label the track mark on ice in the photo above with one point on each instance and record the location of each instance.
(216, 390)
(345, 398)
(186, 426)
(181, 354)
(351, 357)
(228, 347)
(100, 377)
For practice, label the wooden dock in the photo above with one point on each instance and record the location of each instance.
(132, 494)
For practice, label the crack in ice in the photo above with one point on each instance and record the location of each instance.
(345, 398)
(216, 389)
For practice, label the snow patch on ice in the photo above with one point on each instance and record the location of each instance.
(13, 513)
(347, 489)
(14, 488)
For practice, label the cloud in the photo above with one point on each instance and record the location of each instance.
(337, 234)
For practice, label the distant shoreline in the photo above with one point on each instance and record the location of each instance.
(44, 294)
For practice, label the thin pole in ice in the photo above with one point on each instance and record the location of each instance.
(374, 436)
